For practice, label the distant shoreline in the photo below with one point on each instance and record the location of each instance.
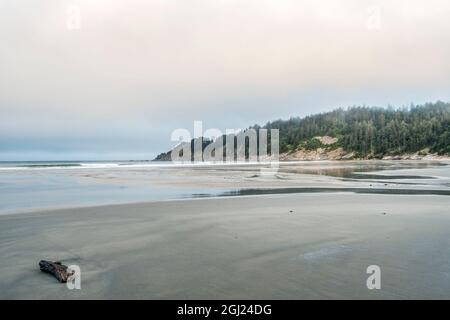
(285, 157)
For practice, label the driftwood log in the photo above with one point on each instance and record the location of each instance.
(56, 268)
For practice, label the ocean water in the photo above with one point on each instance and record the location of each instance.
(30, 165)
(31, 186)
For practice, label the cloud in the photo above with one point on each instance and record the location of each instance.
(143, 68)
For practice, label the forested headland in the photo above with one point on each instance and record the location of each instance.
(368, 132)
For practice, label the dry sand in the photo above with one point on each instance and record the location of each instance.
(235, 248)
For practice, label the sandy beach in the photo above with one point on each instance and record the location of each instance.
(224, 150)
(291, 246)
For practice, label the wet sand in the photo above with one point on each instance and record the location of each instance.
(37, 189)
(287, 246)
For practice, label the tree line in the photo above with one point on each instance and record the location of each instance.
(372, 131)
(369, 132)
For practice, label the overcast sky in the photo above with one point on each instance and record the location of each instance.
(111, 79)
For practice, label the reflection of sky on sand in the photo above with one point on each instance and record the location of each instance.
(40, 188)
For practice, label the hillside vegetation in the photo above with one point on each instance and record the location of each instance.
(362, 132)
(371, 131)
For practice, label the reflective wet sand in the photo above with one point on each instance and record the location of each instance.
(290, 246)
(305, 231)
